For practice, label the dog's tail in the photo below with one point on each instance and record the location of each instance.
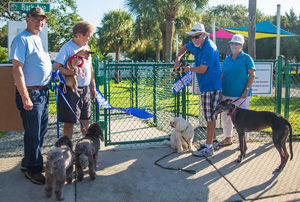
(83, 160)
(290, 139)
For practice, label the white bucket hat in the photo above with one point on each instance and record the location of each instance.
(197, 28)
(237, 38)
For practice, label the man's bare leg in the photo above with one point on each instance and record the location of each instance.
(211, 132)
(86, 124)
(68, 130)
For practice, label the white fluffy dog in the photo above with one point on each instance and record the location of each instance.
(182, 135)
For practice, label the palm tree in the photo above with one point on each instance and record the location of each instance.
(165, 12)
(148, 30)
(116, 34)
(252, 28)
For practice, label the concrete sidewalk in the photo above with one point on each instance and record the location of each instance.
(130, 175)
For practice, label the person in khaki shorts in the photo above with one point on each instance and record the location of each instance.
(32, 72)
(79, 100)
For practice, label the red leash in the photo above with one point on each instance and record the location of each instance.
(236, 107)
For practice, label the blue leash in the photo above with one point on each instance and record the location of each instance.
(54, 88)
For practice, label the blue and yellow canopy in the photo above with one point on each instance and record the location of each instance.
(264, 29)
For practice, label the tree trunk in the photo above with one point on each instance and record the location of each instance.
(169, 37)
(157, 50)
(252, 29)
(162, 28)
(117, 71)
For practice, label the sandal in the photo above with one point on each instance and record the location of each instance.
(225, 142)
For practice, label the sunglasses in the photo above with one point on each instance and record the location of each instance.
(235, 44)
(196, 37)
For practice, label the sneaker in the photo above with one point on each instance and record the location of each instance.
(36, 178)
(216, 145)
(206, 152)
(202, 146)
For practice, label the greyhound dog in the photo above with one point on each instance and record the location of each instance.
(249, 121)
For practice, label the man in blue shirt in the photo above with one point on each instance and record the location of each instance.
(208, 72)
(32, 72)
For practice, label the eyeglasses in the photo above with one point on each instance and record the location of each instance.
(38, 19)
(196, 37)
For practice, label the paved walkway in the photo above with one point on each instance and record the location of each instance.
(130, 175)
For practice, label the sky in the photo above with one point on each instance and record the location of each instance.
(93, 10)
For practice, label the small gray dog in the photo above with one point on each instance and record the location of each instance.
(249, 121)
(86, 151)
(59, 167)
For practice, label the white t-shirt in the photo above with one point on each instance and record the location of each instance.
(69, 49)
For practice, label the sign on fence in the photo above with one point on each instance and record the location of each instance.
(262, 84)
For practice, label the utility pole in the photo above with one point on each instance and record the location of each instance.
(252, 28)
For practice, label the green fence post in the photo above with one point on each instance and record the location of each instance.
(287, 89)
(278, 90)
(96, 66)
(154, 94)
(107, 127)
(131, 87)
(183, 102)
(136, 86)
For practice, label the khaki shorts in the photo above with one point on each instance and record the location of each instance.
(80, 105)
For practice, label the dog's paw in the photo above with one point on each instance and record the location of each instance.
(93, 177)
(69, 180)
(179, 150)
(48, 192)
(192, 149)
(240, 158)
(58, 196)
(79, 178)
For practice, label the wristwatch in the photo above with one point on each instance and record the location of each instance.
(248, 88)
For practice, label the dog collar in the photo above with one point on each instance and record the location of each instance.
(231, 113)
(185, 129)
(76, 56)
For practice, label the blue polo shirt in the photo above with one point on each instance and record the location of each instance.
(235, 74)
(207, 55)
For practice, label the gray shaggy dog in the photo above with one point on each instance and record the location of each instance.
(59, 167)
(86, 151)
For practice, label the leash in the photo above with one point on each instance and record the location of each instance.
(182, 63)
(54, 88)
(171, 168)
(236, 107)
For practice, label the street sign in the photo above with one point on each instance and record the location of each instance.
(26, 6)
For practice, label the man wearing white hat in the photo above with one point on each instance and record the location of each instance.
(208, 72)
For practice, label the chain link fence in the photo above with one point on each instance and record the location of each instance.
(149, 86)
